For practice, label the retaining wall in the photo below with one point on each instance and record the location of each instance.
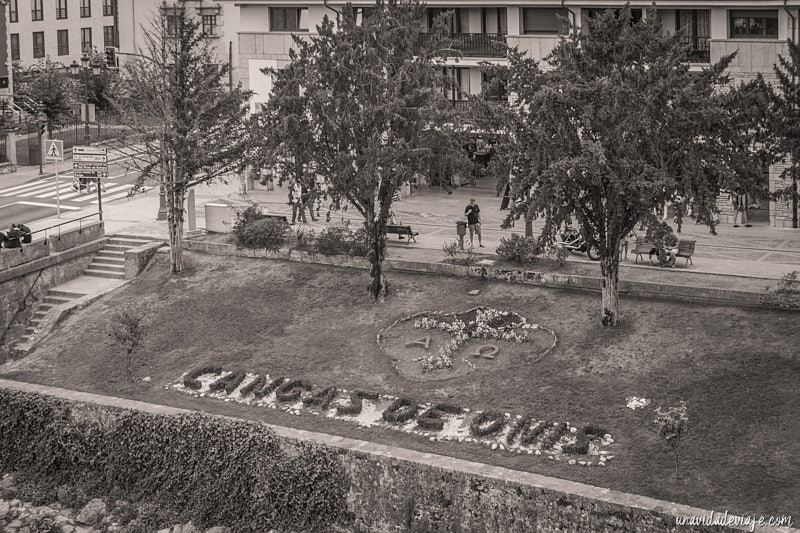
(60, 242)
(398, 490)
(546, 279)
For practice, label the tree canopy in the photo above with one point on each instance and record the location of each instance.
(619, 125)
(188, 127)
(364, 97)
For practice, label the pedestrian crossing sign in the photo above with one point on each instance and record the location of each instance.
(54, 150)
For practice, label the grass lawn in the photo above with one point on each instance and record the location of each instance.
(737, 369)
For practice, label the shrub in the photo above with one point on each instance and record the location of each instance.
(531, 433)
(517, 428)
(304, 240)
(256, 384)
(228, 383)
(322, 398)
(240, 474)
(431, 419)
(519, 250)
(580, 446)
(268, 388)
(400, 411)
(487, 423)
(553, 436)
(594, 430)
(291, 390)
(343, 241)
(190, 381)
(127, 332)
(454, 254)
(253, 230)
(356, 405)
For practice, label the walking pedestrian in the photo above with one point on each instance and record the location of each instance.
(740, 202)
(296, 201)
(472, 212)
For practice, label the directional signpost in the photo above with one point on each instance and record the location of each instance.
(91, 162)
(54, 151)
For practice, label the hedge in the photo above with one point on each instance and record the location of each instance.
(211, 470)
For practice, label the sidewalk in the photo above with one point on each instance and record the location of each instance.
(28, 173)
(744, 257)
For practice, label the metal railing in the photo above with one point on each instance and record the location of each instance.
(699, 48)
(474, 44)
(78, 220)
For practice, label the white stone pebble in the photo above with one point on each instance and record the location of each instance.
(572, 461)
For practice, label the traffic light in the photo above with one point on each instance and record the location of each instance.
(111, 57)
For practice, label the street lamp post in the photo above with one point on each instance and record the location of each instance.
(89, 68)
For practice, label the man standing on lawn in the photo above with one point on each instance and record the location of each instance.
(472, 213)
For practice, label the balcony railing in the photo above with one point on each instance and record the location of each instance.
(699, 48)
(474, 44)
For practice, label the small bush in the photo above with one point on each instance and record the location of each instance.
(402, 410)
(321, 398)
(269, 233)
(553, 436)
(581, 444)
(343, 241)
(305, 240)
(353, 408)
(519, 250)
(269, 387)
(291, 390)
(530, 434)
(454, 254)
(487, 422)
(256, 384)
(191, 381)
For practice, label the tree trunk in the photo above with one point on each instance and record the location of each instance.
(378, 287)
(175, 199)
(610, 269)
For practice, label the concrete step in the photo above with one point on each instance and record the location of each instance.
(38, 315)
(29, 330)
(55, 300)
(110, 253)
(44, 307)
(142, 238)
(116, 248)
(110, 268)
(65, 294)
(23, 339)
(109, 261)
(120, 241)
(103, 274)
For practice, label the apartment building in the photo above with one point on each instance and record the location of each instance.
(59, 29)
(758, 29)
(217, 21)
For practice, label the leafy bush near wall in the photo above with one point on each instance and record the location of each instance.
(269, 233)
(519, 250)
(211, 470)
(343, 241)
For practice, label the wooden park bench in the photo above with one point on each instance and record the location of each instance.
(643, 247)
(402, 231)
(686, 250)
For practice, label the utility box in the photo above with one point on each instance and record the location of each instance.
(219, 217)
(461, 228)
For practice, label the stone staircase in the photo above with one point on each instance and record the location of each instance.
(51, 299)
(109, 262)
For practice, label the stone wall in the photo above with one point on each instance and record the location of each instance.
(398, 490)
(12, 257)
(74, 237)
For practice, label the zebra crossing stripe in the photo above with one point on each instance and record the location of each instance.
(52, 193)
(118, 196)
(108, 190)
(23, 186)
(30, 190)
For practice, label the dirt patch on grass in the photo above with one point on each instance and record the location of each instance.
(736, 368)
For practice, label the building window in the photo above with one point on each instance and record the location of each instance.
(15, 47)
(636, 13)
(458, 86)
(172, 21)
(38, 44)
(542, 19)
(363, 13)
(108, 8)
(494, 20)
(63, 42)
(61, 9)
(13, 11)
(86, 8)
(86, 40)
(754, 24)
(108, 36)
(288, 19)
(458, 23)
(37, 10)
(209, 24)
(694, 28)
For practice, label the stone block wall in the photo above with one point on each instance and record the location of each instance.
(12, 257)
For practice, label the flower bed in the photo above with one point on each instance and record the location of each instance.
(440, 421)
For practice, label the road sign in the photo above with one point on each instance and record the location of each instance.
(89, 158)
(79, 165)
(54, 150)
(94, 150)
(90, 174)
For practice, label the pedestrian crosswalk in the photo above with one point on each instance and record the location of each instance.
(48, 189)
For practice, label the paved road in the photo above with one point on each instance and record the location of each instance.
(38, 198)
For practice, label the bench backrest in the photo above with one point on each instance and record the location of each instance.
(686, 246)
(392, 228)
(643, 246)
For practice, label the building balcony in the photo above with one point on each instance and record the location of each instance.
(699, 49)
(474, 44)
